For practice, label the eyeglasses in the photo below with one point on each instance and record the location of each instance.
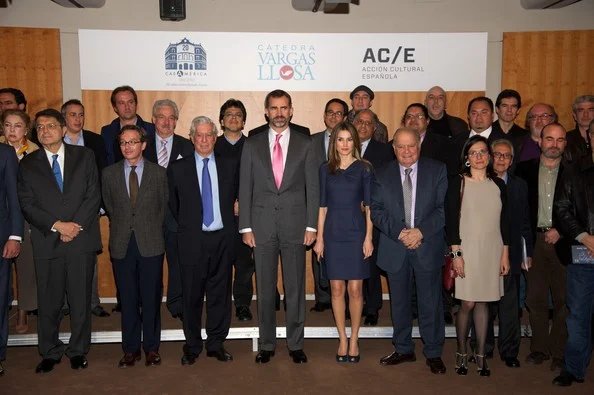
(410, 117)
(499, 155)
(237, 115)
(478, 153)
(542, 117)
(362, 122)
(337, 114)
(131, 143)
(50, 126)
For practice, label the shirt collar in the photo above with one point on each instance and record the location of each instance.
(200, 157)
(139, 165)
(485, 133)
(413, 167)
(159, 139)
(60, 152)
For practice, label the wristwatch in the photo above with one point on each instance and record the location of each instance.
(456, 254)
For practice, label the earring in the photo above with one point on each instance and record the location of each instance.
(467, 163)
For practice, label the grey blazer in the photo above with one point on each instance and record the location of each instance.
(287, 210)
(146, 220)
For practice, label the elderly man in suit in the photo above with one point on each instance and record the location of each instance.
(378, 154)
(203, 190)
(410, 216)
(74, 114)
(135, 197)
(165, 148)
(11, 235)
(59, 194)
(278, 213)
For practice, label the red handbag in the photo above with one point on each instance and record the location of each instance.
(448, 273)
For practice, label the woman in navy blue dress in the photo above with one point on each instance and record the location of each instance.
(344, 231)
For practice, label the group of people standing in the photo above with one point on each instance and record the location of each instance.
(485, 194)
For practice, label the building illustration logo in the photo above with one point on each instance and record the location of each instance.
(185, 56)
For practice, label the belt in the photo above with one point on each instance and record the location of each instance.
(211, 232)
(543, 229)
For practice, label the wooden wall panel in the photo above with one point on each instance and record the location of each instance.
(552, 67)
(308, 109)
(30, 60)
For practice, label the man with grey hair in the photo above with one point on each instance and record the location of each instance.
(578, 144)
(163, 148)
(441, 122)
(539, 115)
(202, 192)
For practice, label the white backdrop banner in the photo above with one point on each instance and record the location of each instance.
(195, 61)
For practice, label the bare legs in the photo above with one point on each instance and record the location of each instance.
(355, 290)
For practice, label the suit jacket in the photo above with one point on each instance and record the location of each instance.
(109, 133)
(185, 204)
(378, 153)
(294, 206)
(387, 214)
(528, 171)
(11, 217)
(180, 148)
(455, 125)
(319, 147)
(145, 220)
(519, 220)
(433, 146)
(293, 126)
(95, 143)
(43, 204)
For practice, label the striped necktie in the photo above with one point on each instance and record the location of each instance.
(163, 154)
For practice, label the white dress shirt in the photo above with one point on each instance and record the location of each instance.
(486, 133)
(60, 153)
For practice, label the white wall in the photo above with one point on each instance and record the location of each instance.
(381, 16)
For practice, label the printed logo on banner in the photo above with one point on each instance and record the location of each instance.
(389, 63)
(185, 63)
(286, 62)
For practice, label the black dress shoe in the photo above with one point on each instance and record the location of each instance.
(319, 307)
(371, 319)
(396, 358)
(117, 308)
(189, 358)
(537, 357)
(129, 359)
(243, 313)
(221, 355)
(264, 356)
(436, 365)
(98, 311)
(152, 358)
(565, 379)
(512, 362)
(79, 362)
(46, 365)
(298, 356)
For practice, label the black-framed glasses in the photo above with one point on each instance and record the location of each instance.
(131, 143)
(337, 114)
(499, 155)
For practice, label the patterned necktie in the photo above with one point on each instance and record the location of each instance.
(57, 172)
(163, 154)
(133, 186)
(277, 161)
(407, 193)
(207, 210)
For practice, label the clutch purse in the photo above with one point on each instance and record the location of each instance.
(449, 274)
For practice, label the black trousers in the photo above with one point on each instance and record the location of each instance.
(243, 289)
(174, 284)
(208, 274)
(71, 275)
(5, 269)
(140, 280)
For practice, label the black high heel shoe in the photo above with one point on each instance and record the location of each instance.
(355, 358)
(461, 367)
(483, 370)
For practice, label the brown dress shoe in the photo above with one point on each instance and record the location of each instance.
(152, 358)
(129, 359)
(396, 358)
(436, 365)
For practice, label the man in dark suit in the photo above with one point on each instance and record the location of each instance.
(203, 190)
(548, 270)
(232, 117)
(165, 148)
(442, 123)
(521, 246)
(278, 213)
(377, 154)
(410, 215)
(11, 235)
(124, 102)
(74, 114)
(335, 112)
(59, 195)
(135, 198)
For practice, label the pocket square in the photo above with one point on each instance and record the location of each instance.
(179, 157)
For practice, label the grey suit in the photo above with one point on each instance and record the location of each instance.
(278, 218)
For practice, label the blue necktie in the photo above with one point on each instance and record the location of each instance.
(57, 173)
(207, 211)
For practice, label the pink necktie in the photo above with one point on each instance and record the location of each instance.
(277, 162)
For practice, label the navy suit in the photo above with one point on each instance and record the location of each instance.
(425, 262)
(109, 133)
(11, 224)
